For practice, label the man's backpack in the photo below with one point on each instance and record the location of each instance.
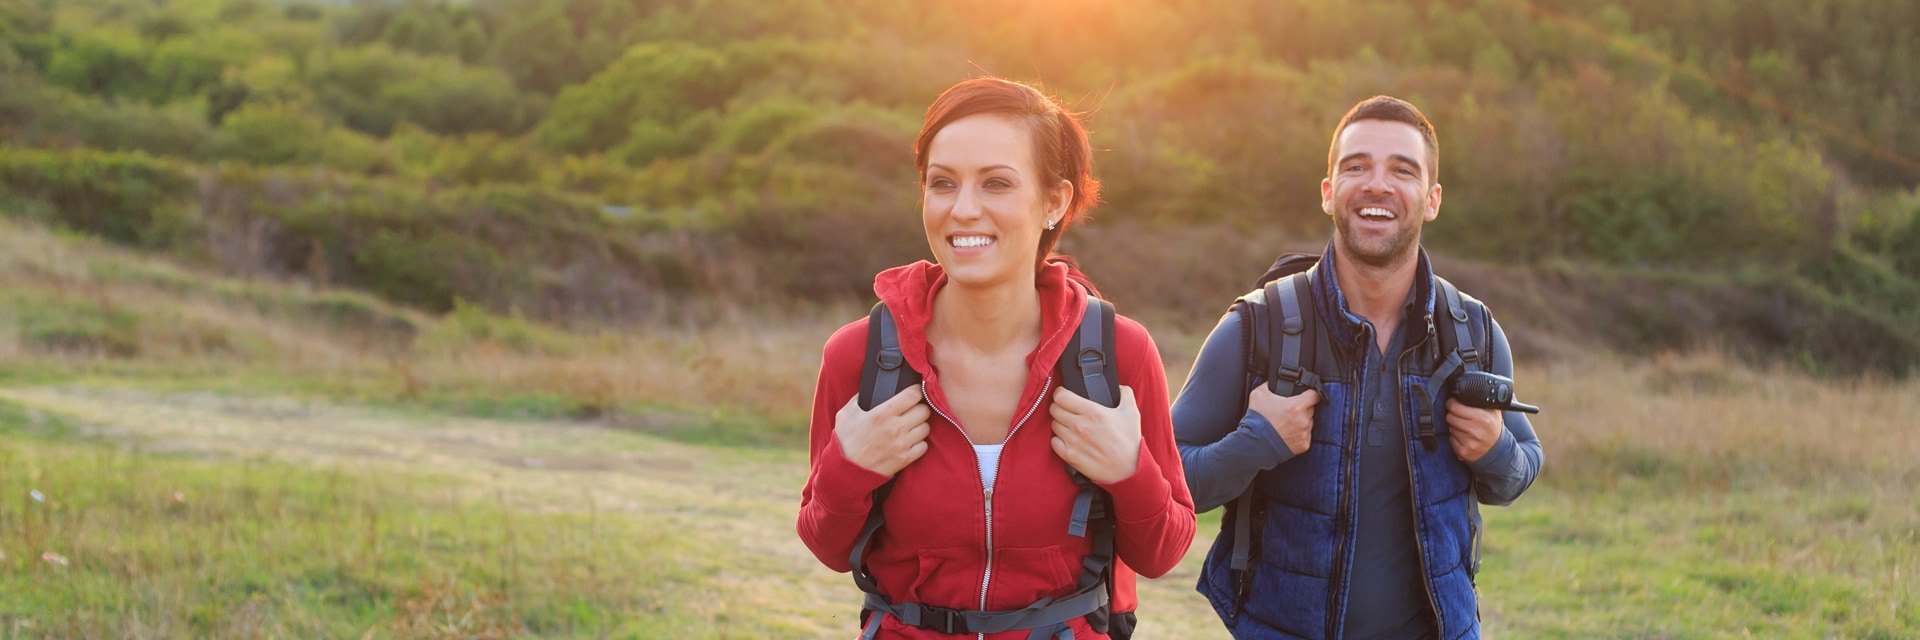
(1086, 368)
(1285, 347)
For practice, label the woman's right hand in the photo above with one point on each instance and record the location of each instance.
(888, 438)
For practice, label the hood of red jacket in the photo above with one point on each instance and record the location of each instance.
(908, 291)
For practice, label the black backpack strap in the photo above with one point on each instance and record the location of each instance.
(1087, 368)
(1463, 330)
(883, 375)
(858, 557)
(1464, 348)
(1290, 329)
(1288, 326)
(885, 372)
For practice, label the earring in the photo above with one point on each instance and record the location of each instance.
(1050, 224)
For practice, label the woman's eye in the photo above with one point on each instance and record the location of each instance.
(941, 183)
(997, 184)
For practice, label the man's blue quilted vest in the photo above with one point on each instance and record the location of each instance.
(1306, 517)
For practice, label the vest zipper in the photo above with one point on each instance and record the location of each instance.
(1343, 512)
(986, 489)
(1413, 489)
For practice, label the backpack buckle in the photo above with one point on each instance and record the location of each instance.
(942, 619)
(1289, 375)
(1092, 361)
(1469, 355)
(889, 359)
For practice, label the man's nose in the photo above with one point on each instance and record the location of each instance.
(1377, 183)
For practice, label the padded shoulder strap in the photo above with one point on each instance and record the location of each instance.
(885, 372)
(1087, 366)
(1290, 330)
(1454, 328)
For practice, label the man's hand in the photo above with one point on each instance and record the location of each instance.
(888, 438)
(1102, 443)
(1291, 416)
(1472, 430)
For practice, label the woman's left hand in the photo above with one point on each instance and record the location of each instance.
(1102, 443)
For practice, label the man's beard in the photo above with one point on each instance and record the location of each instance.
(1384, 252)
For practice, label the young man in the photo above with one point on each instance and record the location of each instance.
(1360, 503)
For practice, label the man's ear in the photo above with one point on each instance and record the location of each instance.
(1326, 195)
(1433, 204)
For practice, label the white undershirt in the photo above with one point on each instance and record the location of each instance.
(989, 455)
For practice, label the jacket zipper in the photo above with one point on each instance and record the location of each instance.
(1426, 585)
(986, 489)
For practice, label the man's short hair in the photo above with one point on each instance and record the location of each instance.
(1390, 109)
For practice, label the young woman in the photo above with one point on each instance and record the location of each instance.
(975, 537)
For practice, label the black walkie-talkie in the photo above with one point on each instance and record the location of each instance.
(1488, 391)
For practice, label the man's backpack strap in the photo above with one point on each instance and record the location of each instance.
(884, 373)
(1290, 329)
(1464, 332)
(1285, 323)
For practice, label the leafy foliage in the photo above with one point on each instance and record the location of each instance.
(732, 144)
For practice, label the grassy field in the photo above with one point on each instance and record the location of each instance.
(219, 458)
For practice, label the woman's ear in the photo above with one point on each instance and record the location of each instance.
(1059, 199)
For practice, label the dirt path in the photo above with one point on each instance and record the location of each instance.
(742, 501)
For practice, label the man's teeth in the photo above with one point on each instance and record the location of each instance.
(1376, 212)
(971, 241)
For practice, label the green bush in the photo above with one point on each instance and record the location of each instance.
(130, 198)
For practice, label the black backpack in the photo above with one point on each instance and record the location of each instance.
(1086, 368)
(1290, 352)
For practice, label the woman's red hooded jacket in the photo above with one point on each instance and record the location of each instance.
(938, 546)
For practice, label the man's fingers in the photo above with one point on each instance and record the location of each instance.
(1260, 392)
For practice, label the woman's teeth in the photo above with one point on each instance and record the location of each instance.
(970, 241)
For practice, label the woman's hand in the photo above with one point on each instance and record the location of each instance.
(888, 438)
(1102, 443)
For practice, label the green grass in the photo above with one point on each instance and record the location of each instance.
(1647, 563)
(158, 545)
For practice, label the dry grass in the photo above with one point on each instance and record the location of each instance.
(77, 307)
(1687, 495)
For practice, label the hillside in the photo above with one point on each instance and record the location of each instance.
(1730, 174)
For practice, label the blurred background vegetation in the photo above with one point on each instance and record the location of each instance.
(500, 318)
(1739, 175)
